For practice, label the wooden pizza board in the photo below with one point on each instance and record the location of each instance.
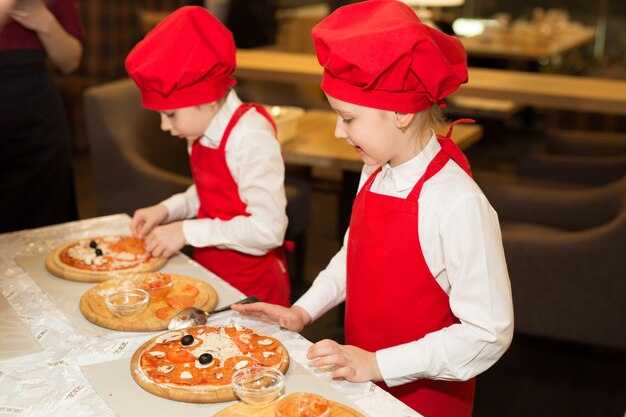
(94, 309)
(189, 394)
(56, 267)
(245, 410)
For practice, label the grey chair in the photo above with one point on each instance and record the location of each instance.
(578, 157)
(135, 164)
(566, 255)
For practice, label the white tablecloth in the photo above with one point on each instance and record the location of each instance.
(47, 380)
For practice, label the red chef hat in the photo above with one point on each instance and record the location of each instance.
(378, 54)
(186, 60)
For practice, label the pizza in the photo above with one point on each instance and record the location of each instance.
(169, 294)
(196, 364)
(95, 259)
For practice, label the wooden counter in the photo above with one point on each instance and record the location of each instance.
(526, 47)
(315, 144)
(532, 89)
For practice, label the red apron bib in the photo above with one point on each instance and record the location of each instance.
(392, 297)
(264, 276)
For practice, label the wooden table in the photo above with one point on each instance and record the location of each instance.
(560, 92)
(509, 45)
(315, 144)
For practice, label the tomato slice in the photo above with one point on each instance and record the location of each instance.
(180, 301)
(164, 313)
(190, 290)
(128, 244)
(180, 355)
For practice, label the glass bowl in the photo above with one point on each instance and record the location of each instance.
(258, 385)
(127, 303)
(302, 404)
(158, 285)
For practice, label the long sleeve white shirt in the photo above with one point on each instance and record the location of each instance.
(462, 245)
(254, 159)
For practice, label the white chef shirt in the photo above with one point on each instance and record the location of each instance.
(254, 159)
(462, 245)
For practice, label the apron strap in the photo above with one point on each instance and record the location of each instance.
(453, 150)
(241, 110)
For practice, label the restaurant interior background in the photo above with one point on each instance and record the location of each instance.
(566, 268)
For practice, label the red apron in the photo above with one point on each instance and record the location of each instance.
(392, 297)
(264, 276)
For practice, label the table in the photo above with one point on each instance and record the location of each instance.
(561, 92)
(55, 374)
(508, 45)
(315, 144)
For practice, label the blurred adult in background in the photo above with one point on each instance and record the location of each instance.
(36, 182)
(5, 6)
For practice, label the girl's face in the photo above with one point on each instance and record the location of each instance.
(188, 122)
(375, 134)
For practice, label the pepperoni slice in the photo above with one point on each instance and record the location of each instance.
(219, 376)
(180, 301)
(267, 357)
(239, 362)
(186, 376)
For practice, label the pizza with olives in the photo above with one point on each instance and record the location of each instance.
(196, 364)
(95, 259)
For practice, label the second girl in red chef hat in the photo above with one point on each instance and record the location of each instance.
(422, 269)
(234, 214)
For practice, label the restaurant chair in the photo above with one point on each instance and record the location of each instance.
(578, 157)
(566, 256)
(135, 164)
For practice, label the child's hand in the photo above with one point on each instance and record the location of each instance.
(294, 318)
(165, 241)
(146, 219)
(32, 14)
(350, 362)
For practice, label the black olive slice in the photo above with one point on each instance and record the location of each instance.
(205, 358)
(98, 252)
(187, 340)
(93, 244)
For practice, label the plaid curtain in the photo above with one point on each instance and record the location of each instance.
(112, 29)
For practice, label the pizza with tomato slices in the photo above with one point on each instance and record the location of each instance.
(196, 364)
(169, 294)
(95, 259)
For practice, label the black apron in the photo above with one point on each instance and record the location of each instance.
(36, 182)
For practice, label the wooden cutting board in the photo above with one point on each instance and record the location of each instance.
(197, 394)
(244, 410)
(94, 309)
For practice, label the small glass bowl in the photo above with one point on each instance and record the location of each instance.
(258, 385)
(157, 285)
(302, 404)
(127, 303)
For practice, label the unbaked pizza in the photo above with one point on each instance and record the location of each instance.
(196, 364)
(95, 259)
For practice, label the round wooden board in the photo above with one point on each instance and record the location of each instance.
(58, 268)
(94, 309)
(242, 409)
(189, 394)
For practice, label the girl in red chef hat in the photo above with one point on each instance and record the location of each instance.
(234, 214)
(422, 270)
